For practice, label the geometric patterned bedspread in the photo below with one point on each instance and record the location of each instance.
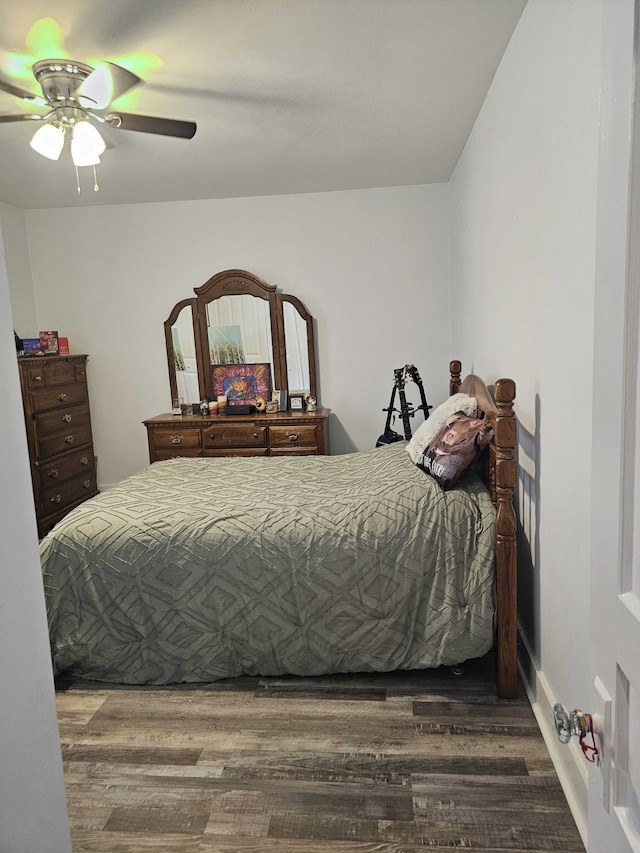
(194, 570)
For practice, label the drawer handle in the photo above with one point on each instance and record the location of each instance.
(67, 418)
(293, 436)
(56, 499)
(86, 484)
(255, 435)
(84, 460)
(62, 397)
(69, 439)
(81, 373)
(53, 473)
(38, 378)
(177, 439)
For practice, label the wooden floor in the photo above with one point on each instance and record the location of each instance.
(391, 763)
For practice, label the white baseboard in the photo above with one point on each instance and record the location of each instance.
(567, 759)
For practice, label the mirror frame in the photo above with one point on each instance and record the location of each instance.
(238, 282)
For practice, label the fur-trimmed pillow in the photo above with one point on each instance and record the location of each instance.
(427, 431)
(460, 441)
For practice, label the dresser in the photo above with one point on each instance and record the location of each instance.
(56, 410)
(290, 433)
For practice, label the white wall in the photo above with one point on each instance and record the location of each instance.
(371, 266)
(18, 266)
(523, 212)
(33, 812)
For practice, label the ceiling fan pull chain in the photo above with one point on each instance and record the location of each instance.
(95, 181)
(77, 179)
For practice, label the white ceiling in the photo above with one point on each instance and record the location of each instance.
(290, 96)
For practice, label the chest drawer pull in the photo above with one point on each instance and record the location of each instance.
(53, 473)
(62, 397)
(67, 418)
(293, 436)
(86, 484)
(84, 460)
(38, 378)
(56, 499)
(69, 439)
(177, 439)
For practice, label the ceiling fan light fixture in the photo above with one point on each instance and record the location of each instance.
(86, 144)
(48, 140)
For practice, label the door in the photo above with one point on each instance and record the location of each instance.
(614, 785)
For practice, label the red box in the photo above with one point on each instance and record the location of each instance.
(49, 342)
(63, 346)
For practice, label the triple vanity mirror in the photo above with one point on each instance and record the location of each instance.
(237, 318)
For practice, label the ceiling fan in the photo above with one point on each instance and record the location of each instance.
(78, 97)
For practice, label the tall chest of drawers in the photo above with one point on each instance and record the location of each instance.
(58, 421)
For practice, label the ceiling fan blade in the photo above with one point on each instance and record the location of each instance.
(21, 117)
(152, 124)
(23, 94)
(105, 83)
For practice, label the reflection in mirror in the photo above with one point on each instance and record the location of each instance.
(295, 332)
(184, 356)
(239, 330)
(237, 318)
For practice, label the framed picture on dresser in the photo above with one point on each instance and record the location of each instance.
(241, 384)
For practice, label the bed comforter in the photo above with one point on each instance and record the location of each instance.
(194, 570)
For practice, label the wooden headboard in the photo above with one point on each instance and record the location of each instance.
(498, 409)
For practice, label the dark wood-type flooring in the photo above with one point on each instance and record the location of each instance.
(391, 763)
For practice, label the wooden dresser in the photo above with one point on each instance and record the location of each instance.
(283, 434)
(56, 411)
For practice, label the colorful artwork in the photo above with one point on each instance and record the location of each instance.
(241, 384)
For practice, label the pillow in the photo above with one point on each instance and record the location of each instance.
(455, 447)
(427, 431)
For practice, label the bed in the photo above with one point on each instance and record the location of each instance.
(195, 570)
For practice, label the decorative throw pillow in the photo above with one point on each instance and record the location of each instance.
(459, 442)
(427, 431)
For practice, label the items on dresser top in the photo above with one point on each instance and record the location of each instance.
(280, 434)
(56, 408)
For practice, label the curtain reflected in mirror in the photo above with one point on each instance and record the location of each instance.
(239, 330)
(297, 348)
(184, 356)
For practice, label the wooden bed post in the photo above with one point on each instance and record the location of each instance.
(455, 367)
(502, 473)
(506, 556)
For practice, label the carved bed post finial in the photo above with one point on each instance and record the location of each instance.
(506, 569)
(455, 368)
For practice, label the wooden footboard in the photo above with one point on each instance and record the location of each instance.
(498, 409)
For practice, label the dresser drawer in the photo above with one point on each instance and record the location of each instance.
(58, 371)
(65, 468)
(176, 439)
(294, 436)
(61, 442)
(58, 398)
(67, 418)
(187, 452)
(237, 451)
(235, 435)
(73, 491)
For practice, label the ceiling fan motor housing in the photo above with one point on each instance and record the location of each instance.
(60, 79)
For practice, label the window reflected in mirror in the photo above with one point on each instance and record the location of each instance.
(239, 330)
(297, 347)
(184, 353)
